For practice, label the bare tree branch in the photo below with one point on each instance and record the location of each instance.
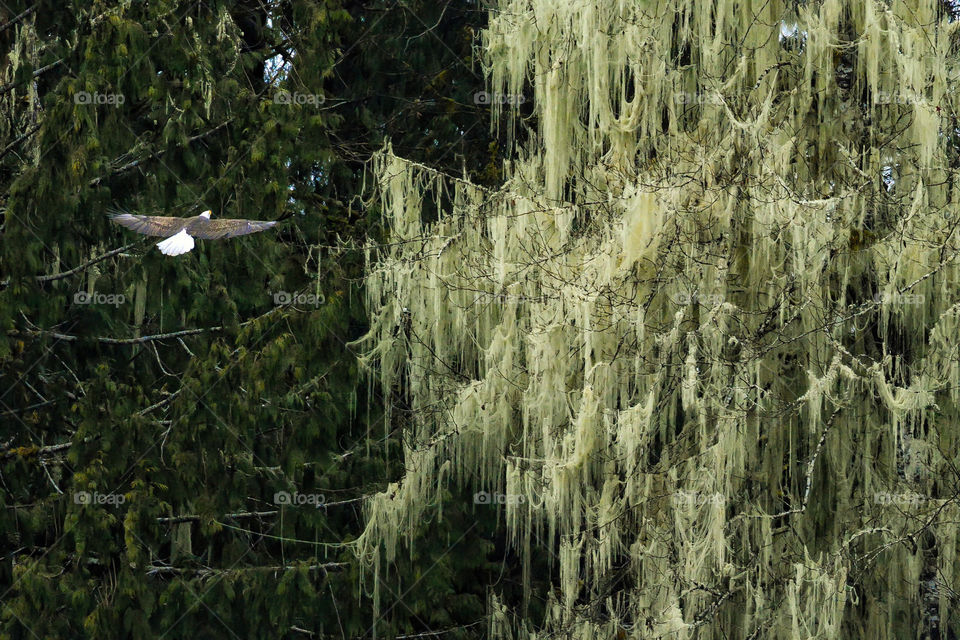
(204, 573)
(26, 134)
(128, 341)
(66, 274)
(17, 18)
(7, 87)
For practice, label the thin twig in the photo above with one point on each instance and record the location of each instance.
(236, 516)
(198, 572)
(127, 341)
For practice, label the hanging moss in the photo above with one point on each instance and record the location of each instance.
(656, 332)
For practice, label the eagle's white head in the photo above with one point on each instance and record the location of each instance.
(206, 214)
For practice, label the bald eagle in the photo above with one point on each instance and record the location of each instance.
(180, 232)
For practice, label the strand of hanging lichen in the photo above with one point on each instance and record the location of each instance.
(22, 99)
(634, 341)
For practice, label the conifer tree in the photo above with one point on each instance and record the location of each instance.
(703, 341)
(160, 417)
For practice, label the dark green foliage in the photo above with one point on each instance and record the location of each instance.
(169, 108)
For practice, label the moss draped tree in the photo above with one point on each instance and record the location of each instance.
(703, 341)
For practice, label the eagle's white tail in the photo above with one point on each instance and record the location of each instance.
(176, 244)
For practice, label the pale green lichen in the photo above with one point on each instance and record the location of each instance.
(694, 330)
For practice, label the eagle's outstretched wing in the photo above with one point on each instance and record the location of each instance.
(161, 226)
(226, 228)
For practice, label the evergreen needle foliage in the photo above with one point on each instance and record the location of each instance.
(169, 426)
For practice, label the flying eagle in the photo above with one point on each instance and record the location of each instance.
(180, 232)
